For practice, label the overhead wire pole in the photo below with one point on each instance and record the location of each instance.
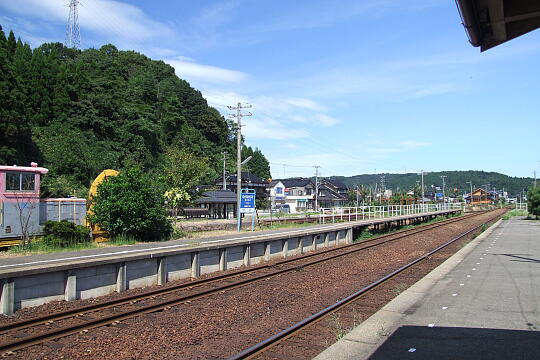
(535, 175)
(316, 187)
(422, 189)
(224, 153)
(239, 116)
(443, 193)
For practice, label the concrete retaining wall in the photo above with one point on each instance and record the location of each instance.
(99, 280)
(88, 279)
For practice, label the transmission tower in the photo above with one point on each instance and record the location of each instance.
(73, 35)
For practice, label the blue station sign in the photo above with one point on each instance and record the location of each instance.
(247, 201)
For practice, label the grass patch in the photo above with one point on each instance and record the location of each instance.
(122, 239)
(40, 247)
(339, 330)
(513, 213)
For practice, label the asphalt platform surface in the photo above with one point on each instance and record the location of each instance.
(482, 303)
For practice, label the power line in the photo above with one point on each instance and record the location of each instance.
(291, 165)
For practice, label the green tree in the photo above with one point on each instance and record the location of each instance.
(132, 204)
(258, 165)
(79, 112)
(184, 171)
(533, 201)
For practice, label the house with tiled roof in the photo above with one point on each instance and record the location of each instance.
(298, 193)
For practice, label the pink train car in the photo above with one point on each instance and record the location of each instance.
(22, 209)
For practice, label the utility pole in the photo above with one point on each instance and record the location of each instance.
(224, 174)
(239, 116)
(470, 182)
(422, 189)
(535, 174)
(356, 195)
(443, 183)
(316, 187)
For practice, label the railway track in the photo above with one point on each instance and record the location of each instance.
(259, 350)
(107, 313)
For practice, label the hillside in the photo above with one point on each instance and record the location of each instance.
(79, 112)
(454, 180)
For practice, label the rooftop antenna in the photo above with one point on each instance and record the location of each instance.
(73, 35)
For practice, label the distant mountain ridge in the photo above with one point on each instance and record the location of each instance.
(454, 179)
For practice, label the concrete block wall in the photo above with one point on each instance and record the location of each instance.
(39, 289)
(178, 266)
(95, 281)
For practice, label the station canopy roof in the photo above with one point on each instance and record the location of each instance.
(217, 197)
(489, 23)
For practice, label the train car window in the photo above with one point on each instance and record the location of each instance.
(13, 181)
(16, 181)
(28, 182)
(1, 213)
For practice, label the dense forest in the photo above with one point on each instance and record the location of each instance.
(79, 112)
(454, 180)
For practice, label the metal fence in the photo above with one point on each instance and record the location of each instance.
(70, 209)
(521, 206)
(373, 212)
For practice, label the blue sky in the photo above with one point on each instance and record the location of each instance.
(352, 86)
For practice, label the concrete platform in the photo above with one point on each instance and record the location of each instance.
(482, 303)
(35, 280)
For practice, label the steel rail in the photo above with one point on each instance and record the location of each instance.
(21, 343)
(20, 325)
(276, 338)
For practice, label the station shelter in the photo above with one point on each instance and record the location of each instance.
(221, 204)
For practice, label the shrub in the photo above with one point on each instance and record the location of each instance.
(132, 204)
(64, 233)
(533, 201)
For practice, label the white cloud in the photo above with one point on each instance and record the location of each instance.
(257, 128)
(192, 71)
(114, 19)
(402, 146)
(164, 53)
(273, 117)
(431, 90)
(412, 144)
(326, 120)
(304, 103)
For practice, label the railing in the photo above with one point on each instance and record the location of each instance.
(521, 206)
(373, 212)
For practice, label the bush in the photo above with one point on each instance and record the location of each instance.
(64, 233)
(533, 201)
(131, 204)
